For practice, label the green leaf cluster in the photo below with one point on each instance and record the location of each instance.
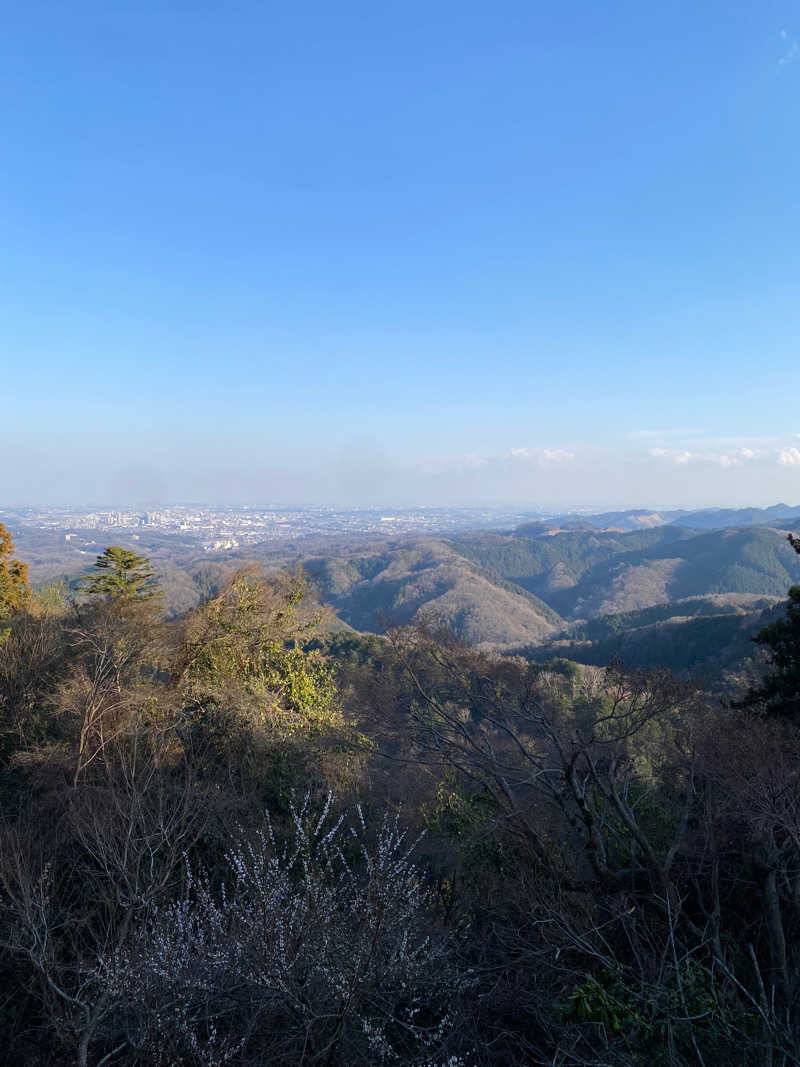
(123, 576)
(247, 646)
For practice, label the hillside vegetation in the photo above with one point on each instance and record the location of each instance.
(547, 564)
(241, 836)
(429, 580)
(706, 637)
(583, 575)
(503, 591)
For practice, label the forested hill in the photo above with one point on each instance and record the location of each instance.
(642, 518)
(505, 591)
(721, 518)
(428, 579)
(546, 565)
(584, 575)
(228, 837)
(710, 637)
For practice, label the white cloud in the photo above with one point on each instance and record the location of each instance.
(472, 461)
(733, 458)
(675, 456)
(557, 455)
(789, 457)
(792, 50)
(540, 455)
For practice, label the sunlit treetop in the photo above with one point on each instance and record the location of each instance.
(15, 592)
(122, 576)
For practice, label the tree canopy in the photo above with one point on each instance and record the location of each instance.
(15, 592)
(122, 576)
(779, 692)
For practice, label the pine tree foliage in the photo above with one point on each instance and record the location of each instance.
(122, 576)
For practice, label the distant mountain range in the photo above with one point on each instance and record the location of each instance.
(702, 519)
(685, 589)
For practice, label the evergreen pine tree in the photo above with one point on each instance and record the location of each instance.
(123, 576)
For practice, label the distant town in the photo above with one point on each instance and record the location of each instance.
(221, 528)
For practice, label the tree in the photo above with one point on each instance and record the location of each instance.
(322, 950)
(123, 576)
(15, 593)
(246, 645)
(73, 887)
(779, 692)
(256, 700)
(626, 852)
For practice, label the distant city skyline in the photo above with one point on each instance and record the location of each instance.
(454, 254)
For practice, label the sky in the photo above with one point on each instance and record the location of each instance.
(454, 253)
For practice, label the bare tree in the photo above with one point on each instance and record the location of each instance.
(72, 891)
(320, 951)
(633, 814)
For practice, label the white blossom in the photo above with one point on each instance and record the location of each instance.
(323, 948)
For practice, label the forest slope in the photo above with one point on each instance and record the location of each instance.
(711, 636)
(428, 579)
(582, 575)
(503, 591)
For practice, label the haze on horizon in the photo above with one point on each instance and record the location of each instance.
(451, 254)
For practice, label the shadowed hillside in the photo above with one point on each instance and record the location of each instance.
(584, 575)
(547, 565)
(710, 636)
(752, 561)
(428, 579)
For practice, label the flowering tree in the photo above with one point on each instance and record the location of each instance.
(321, 950)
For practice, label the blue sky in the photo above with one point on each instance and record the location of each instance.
(420, 252)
